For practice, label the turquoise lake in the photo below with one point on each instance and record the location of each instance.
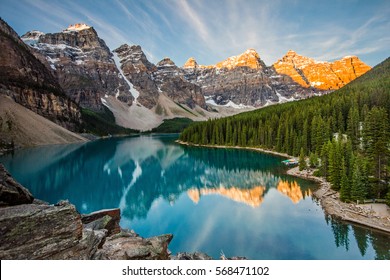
(233, 201)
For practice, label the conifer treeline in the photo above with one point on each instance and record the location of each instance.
(348, 130)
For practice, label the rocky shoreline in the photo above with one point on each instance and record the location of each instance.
(328, 198)
(236, 147)
(350, 212)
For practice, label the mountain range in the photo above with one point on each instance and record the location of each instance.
(58, 75)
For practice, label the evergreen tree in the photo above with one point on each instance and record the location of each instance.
(377, 144)
(324, 168)
(305, 137)
(204, 136)
(313, 160)
(359, 181)
(302, 161)
(353, 128)
(229, 132)
(349, 158)
(345, 188)
(335, 161)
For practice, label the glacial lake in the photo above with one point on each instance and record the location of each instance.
(234, 201)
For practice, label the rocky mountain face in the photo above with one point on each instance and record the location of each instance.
(171, 80)
(138, 70)
(28, 81)
(82, 63)
(318, 74)
(152, 80)
(244, 80)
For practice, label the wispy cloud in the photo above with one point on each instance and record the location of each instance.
(335, 42)
(214, 30)
(194, 20)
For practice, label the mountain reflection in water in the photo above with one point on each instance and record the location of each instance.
(234, 200)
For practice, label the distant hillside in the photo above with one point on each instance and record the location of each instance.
(174, 125)
(20, 126)
(360, 111)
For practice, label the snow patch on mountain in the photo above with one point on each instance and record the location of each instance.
(133, 91)
(210, 101)
(283, 99)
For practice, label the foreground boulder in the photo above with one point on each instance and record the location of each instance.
(104, 219)
(128, 246)
(32, 231)
(11, 192)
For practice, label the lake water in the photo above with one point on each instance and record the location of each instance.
(233, 201)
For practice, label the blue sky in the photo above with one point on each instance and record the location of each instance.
(212, 30)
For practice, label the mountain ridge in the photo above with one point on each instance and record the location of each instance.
(127, 83)
(323, 75)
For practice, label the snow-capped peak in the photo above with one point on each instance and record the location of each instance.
(77, 27)
(32, 37)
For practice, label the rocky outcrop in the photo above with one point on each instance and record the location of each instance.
(11, 192)
(27, 80)
(33, 229)
(320, 74)
(129, 246)
(103, 219)
(152, 80)
(82, 63)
